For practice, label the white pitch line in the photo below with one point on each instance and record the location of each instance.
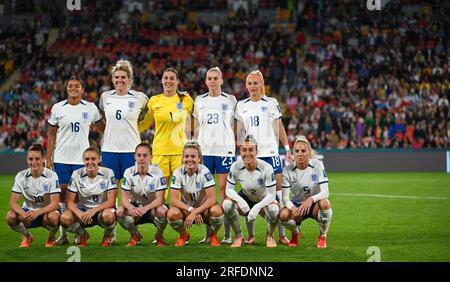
(390, 196)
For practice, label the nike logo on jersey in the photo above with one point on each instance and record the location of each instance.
(157, 108)
(108, 103)
(244, 111)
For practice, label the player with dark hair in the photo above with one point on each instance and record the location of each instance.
(40, 190)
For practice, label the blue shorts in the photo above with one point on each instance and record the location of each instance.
(275, 162)
(64, 171)
(249, 202)
(217, 164)
(95, 218)
(310, 213)
(118, 162)
(37, 222)
(146, 218)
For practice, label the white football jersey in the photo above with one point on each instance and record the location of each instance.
(304, 183)
(258, 118)
(193, 187)
(215, 117)
(254, 184)
(143, 189)
(92, 191)
(36, 191)
(122, 113)
(72, 135)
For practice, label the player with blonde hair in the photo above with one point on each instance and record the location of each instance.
(260, 116)
(214, 120)
(305, 193)
(122, 108)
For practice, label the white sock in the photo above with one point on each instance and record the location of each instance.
(160, 223)
(127, 222)
(215, 223)
(290, 225)
(109, 230)
(20, 228)
(324, 218)
(62, 230)
(227, 228)
(178, 225)
(271, 217)
(250, 227)
(208, 230)
(76, 228)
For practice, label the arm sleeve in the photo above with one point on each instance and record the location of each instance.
(175, 180)
(97, 115)
(17, 187)
(52, 119)
(323, 183)
(162, 183)
(231, 184)
(111, 180)
(208, 180)
(148, 118)
(276, 109)
(100, 103)
(286, 187)
(270, 177)
(73, 185)
(268, 199)
(195, 111)
(126, 182)
(54, 187)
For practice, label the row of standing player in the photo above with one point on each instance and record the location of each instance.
(258, 115)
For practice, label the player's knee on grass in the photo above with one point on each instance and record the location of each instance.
(12, 218)
(108, 216)
(67, 219)
(285, 214)
(273, 211)
(324, 204)
(215, 211)
(51, 219)
(174, 214)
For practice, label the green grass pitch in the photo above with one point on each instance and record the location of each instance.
(405, 215)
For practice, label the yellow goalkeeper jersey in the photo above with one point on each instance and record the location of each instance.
(170, 115)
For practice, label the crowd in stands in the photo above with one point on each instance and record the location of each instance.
(345, 78)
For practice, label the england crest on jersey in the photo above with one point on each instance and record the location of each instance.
(314, 177)
(224, 107)
(260, 181)
(151, 187)
(131, 104)
(102, 185)
(179, 106)
(85, 116)
(198, 185)
(45, 187)
(264, 109)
